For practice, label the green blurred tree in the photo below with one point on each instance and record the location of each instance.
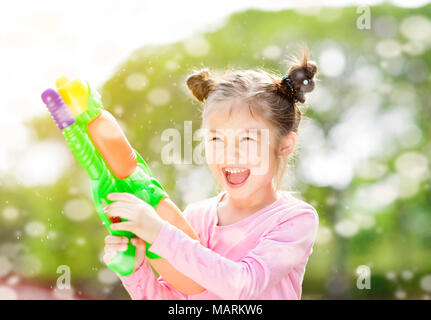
(147, 94)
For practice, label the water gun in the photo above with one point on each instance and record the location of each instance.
(102, 149)
(99, 145)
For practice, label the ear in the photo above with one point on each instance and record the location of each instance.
(287, 144)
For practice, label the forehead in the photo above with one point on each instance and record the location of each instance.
(233, 114)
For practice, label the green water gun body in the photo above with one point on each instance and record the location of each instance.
(101, 148)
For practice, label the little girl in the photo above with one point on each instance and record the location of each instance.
(255, 239)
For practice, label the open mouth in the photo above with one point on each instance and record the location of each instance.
(235, 176)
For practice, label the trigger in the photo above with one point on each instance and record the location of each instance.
(114, 219)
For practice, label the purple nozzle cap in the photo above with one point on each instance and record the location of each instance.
(58, 109)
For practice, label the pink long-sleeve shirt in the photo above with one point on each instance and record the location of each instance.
(262, 256)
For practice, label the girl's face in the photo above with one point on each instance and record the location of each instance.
(239, 149)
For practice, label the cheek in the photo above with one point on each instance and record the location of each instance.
(265, 172)
(213, 168)
(214, 153)
(262, 160)
(212, 165)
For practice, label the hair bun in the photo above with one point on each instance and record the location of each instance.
(201, 84)
(299, 80)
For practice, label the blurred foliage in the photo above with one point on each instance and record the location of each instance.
(147, 94)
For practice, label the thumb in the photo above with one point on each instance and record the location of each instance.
(138, 242)
(140, 251)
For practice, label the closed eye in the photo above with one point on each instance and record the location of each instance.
(247, 139)
(215, 139)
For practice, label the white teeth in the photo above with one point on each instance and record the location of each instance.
(236, 170)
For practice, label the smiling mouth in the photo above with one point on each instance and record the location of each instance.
(236, 177)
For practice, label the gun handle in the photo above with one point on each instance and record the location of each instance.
(124, 262)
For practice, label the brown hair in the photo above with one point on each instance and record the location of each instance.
(274, 97)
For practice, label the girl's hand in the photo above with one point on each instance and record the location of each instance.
(113, 244)
(142, 219)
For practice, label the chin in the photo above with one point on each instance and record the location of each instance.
(247, 190)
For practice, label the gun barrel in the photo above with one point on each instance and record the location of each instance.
(84, 152)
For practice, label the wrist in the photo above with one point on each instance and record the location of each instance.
(155, 230)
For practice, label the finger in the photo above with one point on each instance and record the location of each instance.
(146, 205)
(107, 257)
(139, 256)
(121, 196)
(109, 208)
(137, 242)
(115, 248)
(110, 239)
(124, 226)
(120, 204)
(122, 212)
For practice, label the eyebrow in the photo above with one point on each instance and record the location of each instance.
(254, 130)
(245, 130)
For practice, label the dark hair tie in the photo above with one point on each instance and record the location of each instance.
(287, 79)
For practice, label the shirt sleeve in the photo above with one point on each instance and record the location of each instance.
(144, 285)
(278, 252)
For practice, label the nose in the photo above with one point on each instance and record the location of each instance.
(231, 152)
